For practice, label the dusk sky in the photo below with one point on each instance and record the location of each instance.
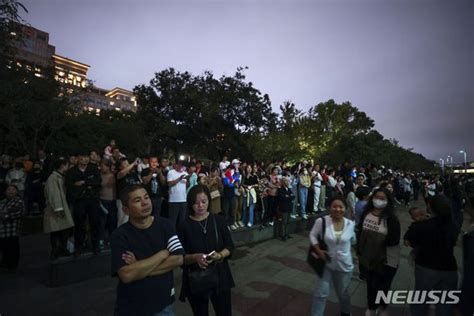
(408, 64)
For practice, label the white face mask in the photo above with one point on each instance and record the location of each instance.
(379, 204)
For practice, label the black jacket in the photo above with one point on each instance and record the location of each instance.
(285, 200)
(91, 188)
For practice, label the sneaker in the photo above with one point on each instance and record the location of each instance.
(249, 225)
(305, 216)
(293, 216)
(241, 224)
(233, 227)
(270, 223)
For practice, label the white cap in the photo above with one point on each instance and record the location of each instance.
(235, 161)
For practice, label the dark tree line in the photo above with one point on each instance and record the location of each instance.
(181, 113)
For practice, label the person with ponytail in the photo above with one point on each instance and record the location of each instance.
(378, 247)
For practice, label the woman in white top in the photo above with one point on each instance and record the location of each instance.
(339, 236)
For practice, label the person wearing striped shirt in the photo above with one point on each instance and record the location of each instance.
(145, 250)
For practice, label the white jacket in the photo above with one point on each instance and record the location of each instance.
(339, 252)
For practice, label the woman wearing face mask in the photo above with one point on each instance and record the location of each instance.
(208, 244)
(339, 236)
(378, 247)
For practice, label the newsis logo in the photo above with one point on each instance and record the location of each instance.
(417, 297)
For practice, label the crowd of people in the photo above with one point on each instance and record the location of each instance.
(90, 201)
(375, 235)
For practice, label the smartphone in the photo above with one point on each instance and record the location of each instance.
(210, 254)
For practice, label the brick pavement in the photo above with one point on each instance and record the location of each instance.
(272, 279)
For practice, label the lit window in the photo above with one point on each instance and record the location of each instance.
(61, 73)
(18, 64)
(83, 84)
(112, 102)
(38, 75)
(69, 76)
(117, 109)
(90, 109)
(12, 33)
(78, 78)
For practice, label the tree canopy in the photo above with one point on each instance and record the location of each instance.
(182, 113)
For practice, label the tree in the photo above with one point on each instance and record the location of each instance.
(201, 114)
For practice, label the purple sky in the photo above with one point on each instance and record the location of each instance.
(409, 64)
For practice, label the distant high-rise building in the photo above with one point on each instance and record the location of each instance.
(35, 53)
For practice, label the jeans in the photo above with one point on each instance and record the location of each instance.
(322, 198)
(317, 193)
(228, 204)
(341, 281)
(429, 279)
(167, 311)
(294, 191)
(248, 211)
(303, 195)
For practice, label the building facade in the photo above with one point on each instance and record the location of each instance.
(35, 53)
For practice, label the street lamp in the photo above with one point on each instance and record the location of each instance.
(465, 159)
(449, 161)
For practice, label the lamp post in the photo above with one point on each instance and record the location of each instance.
(465, 159)
(449, 161)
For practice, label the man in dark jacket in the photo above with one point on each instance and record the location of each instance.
(285, 206)
(83, 189)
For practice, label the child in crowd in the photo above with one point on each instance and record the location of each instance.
(362, 194)
(417, 215)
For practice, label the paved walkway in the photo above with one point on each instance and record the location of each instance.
(272, 279)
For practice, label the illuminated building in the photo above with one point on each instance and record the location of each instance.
(35, 53)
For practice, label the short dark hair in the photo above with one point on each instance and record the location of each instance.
(192, 195)
(338, 198)
(125, 192)
(412, 209)
(361, 192)
(60, 161)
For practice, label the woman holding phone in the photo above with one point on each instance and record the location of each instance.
(208, 245)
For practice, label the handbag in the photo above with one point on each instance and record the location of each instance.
(203, 281)
(215, 194)
(313, 260)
